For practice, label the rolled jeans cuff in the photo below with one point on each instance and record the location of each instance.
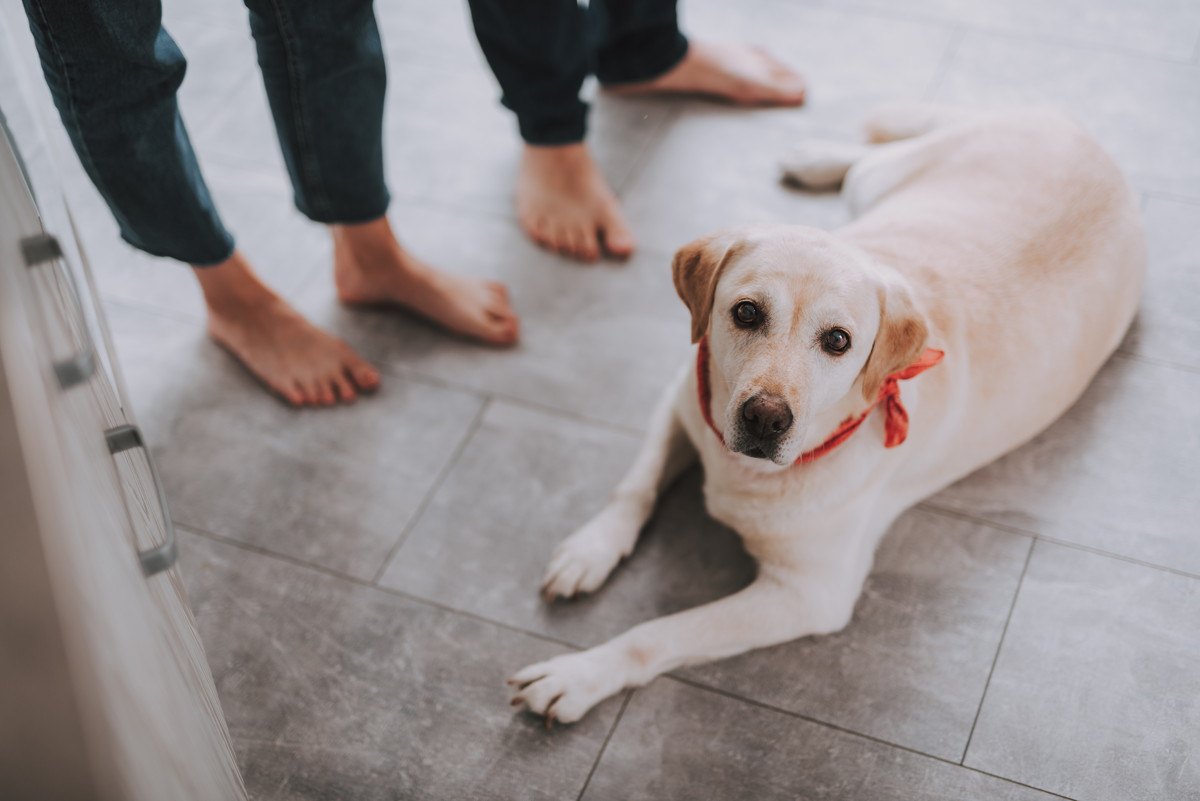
(654, 55)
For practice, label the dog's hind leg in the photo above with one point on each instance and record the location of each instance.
(892, 122)
(583, 561)
(821, 164)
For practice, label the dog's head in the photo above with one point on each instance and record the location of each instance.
(799, 325)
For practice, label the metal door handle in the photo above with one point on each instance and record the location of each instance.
(79, 368)
(154, 560)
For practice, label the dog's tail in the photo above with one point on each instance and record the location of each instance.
(891, 122)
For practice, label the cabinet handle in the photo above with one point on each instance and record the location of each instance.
(79, 368)
(154, 560)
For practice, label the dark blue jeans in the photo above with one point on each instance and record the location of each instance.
(114, 72)
(542, 50)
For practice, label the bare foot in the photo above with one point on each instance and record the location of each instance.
(564, 204)
(371, 268)
(740, 74)
(297, 360)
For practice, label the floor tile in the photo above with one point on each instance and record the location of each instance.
(1167, 28)
(1123, 100)
(1096, 690)
(333, 690)
(332, 487)
(1116, 472)
(913, 663)
(524, 483)
(1168, 326)
(676, 741)
(850, 60)
(601, 341)
(718, 168)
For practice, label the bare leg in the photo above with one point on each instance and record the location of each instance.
(585, 559)
(297, 360)
(370, 267)
(775, 608)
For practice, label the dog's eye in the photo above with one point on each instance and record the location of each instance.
(747, 315)
(835, 341)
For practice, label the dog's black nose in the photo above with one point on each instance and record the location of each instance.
(767, 417)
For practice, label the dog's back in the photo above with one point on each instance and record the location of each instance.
(1025, 245)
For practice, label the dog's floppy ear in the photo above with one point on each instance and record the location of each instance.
(901, 337)
(696, 269)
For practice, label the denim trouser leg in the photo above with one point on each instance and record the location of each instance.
(322, 64)
(641, 40)
(113, 72)
(542, 50)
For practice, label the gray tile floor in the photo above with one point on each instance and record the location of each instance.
(366, 577)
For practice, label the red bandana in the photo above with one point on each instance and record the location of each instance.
(895, 425)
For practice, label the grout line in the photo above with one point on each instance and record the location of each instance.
(433, 489)
(999, 647)
(1157, 362)
(835, 727)
(367, 585)
(264, 552)
(269, 554)
(1012, 529)
(1042, 39)
(957, 34)
(404, 372)
(653, 142)
(172, 315)
(604, 746)
(1159, 194)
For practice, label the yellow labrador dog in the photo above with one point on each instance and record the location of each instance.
(993, 265)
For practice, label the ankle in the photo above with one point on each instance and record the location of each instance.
(366, 249)
(231, 287)
(571, 153)
(373, 233)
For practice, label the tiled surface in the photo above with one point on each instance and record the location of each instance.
(1122, 99)
(597, 341)
(1168, 327)
(1163, 28)
(1103, 647)
(333, 690)
(334, 489)
(675, 741)
(526, 481)
(911, 667)
(1127, 453)
(1075, 675)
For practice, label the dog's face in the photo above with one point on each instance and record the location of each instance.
(798, 323)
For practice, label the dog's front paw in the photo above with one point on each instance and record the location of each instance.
(567, 686)
(584, 560)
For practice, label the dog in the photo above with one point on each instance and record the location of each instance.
(993, 264)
